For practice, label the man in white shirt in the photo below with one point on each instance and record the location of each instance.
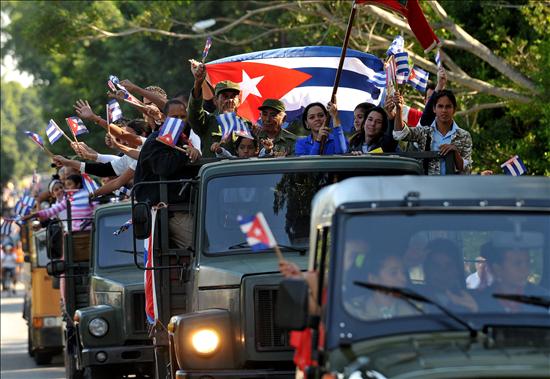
(482, 278)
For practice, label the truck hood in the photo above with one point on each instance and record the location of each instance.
(114, 279)
(229, 270)
(446, 355)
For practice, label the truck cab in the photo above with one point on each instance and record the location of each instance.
(393, 257)
(219, 304)
(105, 328)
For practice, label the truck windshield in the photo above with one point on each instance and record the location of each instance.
(459, 260)
(284, 199)
(115, 250)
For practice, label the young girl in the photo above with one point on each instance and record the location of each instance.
(373, 134)
(81, 210)
(316, 119)
(245, 148)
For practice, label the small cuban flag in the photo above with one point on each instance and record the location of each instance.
(5, 229)
(207, 46)
(397, 46)
(418, 79)
(76, 125)
(53, 132)
(124, 227)
(35, 138)
(257, 231)
(24, 205)
(123, 191)
(402, 63)
(170, 131)
(114, 85)
(114, 111)
(438, 59)
(89, 184)
(514, 166)
(230, 122)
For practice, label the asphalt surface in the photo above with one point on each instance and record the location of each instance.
(14, 359)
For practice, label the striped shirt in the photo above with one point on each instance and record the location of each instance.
(81, 210)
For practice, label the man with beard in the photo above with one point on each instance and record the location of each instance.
(276, 140)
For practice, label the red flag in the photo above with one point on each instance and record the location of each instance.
(258, 81)
(415, 17)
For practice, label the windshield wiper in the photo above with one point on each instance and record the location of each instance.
(541, 301)
(128, 251)
(244, 245)
(407, 293)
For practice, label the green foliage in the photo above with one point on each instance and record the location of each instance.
(21, 111)
(59, 43)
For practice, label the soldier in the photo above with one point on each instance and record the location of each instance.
(276, 140)
(204, 124)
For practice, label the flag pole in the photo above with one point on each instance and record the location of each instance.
(278, 253)
(62, 132)
(340, 65)
(47, 151)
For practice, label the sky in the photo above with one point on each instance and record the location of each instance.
(8, 67)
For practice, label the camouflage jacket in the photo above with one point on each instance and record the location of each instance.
(461, 139)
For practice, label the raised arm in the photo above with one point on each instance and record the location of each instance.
(84, 111)
(341, 141)
(159, 101)
(115, 184)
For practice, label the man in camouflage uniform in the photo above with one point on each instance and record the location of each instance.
(204, 124)
(280, 140)
(442, 135)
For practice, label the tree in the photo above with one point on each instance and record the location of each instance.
(21, 110)
(496, 53)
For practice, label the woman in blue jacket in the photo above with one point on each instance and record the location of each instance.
(316, 118)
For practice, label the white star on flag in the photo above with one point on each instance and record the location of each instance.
(249, 86)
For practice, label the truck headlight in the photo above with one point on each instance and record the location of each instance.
(205, 341)
(98, 327)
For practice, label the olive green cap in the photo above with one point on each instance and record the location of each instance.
(226, 85)
(273, 104)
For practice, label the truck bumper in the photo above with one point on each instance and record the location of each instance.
(234, 374)
(47, 339)
(117, 355)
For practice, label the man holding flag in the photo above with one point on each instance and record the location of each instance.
(204, 124)
(160, 161)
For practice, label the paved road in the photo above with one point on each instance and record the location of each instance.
(14, 360)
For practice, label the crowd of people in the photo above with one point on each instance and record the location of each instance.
(142, 156)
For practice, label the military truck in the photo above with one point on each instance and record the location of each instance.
(105, 330)
(390, 258)
(217, 299)
(41, 301)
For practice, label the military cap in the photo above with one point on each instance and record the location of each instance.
(273, 104)
(226, 85)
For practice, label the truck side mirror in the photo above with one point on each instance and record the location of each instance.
(292, 304)
(55, 267)
(141, 220)
(54, 238)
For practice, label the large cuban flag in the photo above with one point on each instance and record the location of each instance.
(299, 76)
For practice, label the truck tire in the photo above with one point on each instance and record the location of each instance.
(29, 341)
(42, 358)
(70, 366)
(98, 373)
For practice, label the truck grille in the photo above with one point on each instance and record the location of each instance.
(139, 322)
(269, 337)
